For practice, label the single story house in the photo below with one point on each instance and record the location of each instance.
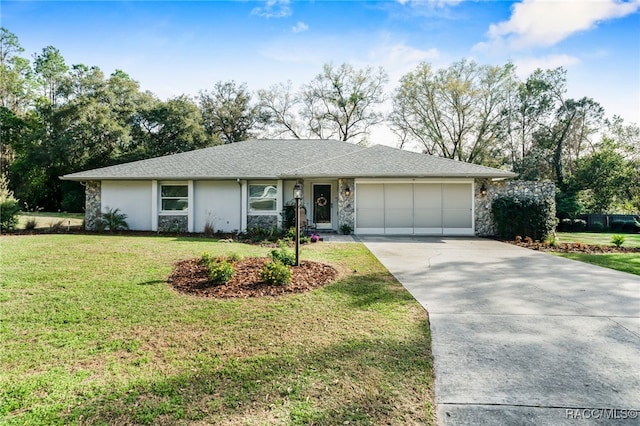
(374, 190)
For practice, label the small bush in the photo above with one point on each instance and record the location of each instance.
(597, 227)
(221, 272)
(234, 257)
(209, 228)
(257, 234)
(290, 234)
(552, 240)
(56, 226)
(9, 207)
(113, 220)
(617, 240)
(346, 229)
(30, 224)
(206, 259)
(276, 273)
(283, 255)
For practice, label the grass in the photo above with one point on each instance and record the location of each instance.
(625, 262)
(602, 238)
(92, 334)
(48, 220)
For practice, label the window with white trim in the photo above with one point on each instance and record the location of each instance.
(174, 198)
(263, 197)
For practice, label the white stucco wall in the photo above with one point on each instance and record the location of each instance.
(217, 202)
(132, 198)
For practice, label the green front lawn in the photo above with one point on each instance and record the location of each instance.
(92, 334)
(601, 238)
(625, 262)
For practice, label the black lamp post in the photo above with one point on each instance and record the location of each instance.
(297, 195)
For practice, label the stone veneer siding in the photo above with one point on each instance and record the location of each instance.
(262, 221)
(483, 218)
(92, 204)
(173, 223)
(346, 208)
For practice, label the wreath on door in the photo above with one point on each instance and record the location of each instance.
(321, 201)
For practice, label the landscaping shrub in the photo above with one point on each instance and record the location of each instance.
(206, 259)
(283, 254)
(30, 224)
(288, 217)
(345, 229)
(276, 273)
(113, 220)
(234, 257)
(597, 227)
(617, 240)
(519, 215)
(221, 271)
(630, 226)
(290, 234)
(9, 207)
(257, 234)
(572, 225)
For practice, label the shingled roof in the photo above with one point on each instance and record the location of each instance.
(270, 159)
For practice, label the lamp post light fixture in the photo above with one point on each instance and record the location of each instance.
(297, 195)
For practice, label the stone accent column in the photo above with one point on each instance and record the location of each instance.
(533, 189)
(346, 207)
(92, 204)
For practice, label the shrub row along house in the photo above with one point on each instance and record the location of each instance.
(230, 188)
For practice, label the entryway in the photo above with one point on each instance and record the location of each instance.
(322, 206)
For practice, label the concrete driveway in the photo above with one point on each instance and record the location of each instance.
(522, 337)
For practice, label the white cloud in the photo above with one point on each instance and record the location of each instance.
(398, 58)
(525, 66)
(536, 23)
(300, 27)
(273, 9)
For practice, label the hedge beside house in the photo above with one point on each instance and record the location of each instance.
(524, 216)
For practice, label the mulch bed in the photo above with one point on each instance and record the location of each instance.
(576, 248)
(190, 277)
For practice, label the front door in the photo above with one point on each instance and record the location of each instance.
(322, 206)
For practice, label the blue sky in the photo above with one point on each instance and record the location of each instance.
(182, 47)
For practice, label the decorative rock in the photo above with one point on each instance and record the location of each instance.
(176, 223)
(483, 219)
(93, 205)
(346, 210)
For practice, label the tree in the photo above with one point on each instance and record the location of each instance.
(279, 108)
(228, 113)
(607, 176)
(529, 105)
(341, 102)
(170, 127)
(16, 82)
(50, 70)
(455, 112)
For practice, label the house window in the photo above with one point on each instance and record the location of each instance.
(174, 197)
(262, 198)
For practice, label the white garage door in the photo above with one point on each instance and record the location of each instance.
(414, 208)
